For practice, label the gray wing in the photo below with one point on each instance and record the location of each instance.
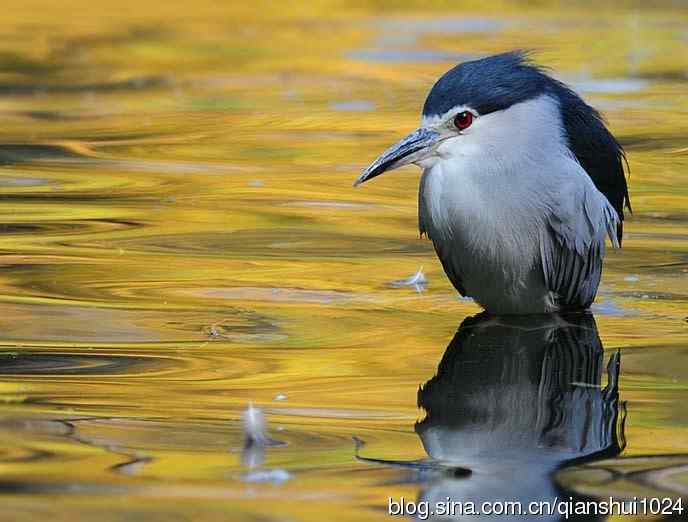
(572, 246)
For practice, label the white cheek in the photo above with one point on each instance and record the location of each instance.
(427, 163)
(461, 145)
(448, 147)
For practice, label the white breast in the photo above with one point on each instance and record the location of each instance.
(481, 202)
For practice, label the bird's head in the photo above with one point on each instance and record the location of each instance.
(478, 108)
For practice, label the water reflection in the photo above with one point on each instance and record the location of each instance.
(513, 401)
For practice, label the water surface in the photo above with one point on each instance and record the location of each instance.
(179, 237)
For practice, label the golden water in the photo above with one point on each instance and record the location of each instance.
(180, 237)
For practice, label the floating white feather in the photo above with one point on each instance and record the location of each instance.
(254, 426)
(417, 281)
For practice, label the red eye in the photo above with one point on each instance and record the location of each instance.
(463, 120)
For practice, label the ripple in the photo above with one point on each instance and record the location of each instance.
(397, 39)
(149, 440)
(83, 324)
(34, 425)
(644, 475)
(145, 82)
(407, 55)
(610, 85)
(444, 25)
(294, 295)
(277, 243)
(353, 106)
(22, 455)
(66, 228)
(23, 181)
(12, 153)
(329, 204)
(611, 308)
(57, 364)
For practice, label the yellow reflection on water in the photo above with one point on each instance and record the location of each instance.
(180, 237)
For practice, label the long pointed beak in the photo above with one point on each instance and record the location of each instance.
(414, 147)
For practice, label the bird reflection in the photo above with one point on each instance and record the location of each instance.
(514, 400)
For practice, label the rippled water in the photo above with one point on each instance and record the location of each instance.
(179, 237)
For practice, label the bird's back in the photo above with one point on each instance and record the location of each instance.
(596, 149)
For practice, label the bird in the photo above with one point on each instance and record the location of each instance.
(521, 183)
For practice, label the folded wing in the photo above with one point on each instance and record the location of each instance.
(572, 243)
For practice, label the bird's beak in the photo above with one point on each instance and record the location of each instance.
(414, 147)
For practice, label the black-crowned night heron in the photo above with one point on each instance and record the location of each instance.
(521, 183)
